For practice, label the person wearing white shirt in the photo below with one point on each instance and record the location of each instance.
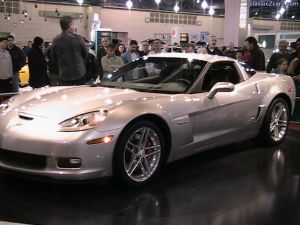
(6, 69)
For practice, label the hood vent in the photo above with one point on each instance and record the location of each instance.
(25, 117)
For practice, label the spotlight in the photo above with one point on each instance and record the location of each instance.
(45, 19)
(176, 8)
(129, 4)
(204, 4)
(211, 11)
(35, 5)
(157, 1)
(80, 1)
(29, 18)
(282, 10)
(22, 21)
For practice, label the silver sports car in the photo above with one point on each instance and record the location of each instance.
(152, 111)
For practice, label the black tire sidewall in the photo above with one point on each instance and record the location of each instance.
(265, 133)
(118, 165)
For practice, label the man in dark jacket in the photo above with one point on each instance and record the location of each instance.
(257, 57)
(37, 65)
(212, 48)
(282, 53)
(18, 61)
(69, 54)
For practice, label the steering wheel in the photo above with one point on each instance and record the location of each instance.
(187, 82)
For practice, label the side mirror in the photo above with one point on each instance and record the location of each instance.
(220, 87)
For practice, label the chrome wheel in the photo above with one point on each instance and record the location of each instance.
(278, 121)
(142, 154)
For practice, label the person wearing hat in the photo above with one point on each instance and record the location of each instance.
(37, 65)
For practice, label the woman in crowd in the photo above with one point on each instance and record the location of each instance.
(120, 50)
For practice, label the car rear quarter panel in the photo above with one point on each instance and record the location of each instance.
(270, 86)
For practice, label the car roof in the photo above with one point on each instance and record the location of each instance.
(198, 56)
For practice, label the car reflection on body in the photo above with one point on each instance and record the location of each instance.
(151, 111)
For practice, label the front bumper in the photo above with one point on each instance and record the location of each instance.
(29, 149)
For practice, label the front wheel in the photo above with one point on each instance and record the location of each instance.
(275, 124)
(139, 154)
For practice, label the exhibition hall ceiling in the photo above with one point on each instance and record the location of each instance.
(267, 9)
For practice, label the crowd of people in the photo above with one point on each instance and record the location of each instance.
(71, 61)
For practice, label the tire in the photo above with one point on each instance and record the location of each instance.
(139, 154)
(275, 124)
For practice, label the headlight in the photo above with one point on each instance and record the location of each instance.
(84, 121)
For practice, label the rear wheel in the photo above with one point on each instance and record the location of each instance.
(275, 124)
(139, 154)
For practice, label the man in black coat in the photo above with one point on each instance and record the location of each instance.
(68, 52)
(37, 65)
(257, 57)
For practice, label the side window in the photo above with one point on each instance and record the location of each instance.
(220, 72)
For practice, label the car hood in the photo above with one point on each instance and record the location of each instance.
(66, 103)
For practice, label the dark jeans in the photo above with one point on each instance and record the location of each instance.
(6, 85)
(72, 82)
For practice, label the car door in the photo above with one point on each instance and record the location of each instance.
(228, 115)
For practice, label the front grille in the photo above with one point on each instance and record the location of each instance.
(22, 160)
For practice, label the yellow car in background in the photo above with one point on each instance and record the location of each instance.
(24, 76)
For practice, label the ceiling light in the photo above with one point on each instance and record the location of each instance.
(80, 1)
(293, 17)
(204, 4)
(198, 1)
(157, 1)
(256, 13)
(277, 16)
(129, 4)
(22, 21)
(176, 8)
(211, 11)
(282, 10)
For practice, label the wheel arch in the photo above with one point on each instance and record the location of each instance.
(287, 99)
(162, 125)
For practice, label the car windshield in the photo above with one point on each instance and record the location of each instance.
(156, 74)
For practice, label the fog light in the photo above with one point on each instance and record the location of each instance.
(69, 163)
